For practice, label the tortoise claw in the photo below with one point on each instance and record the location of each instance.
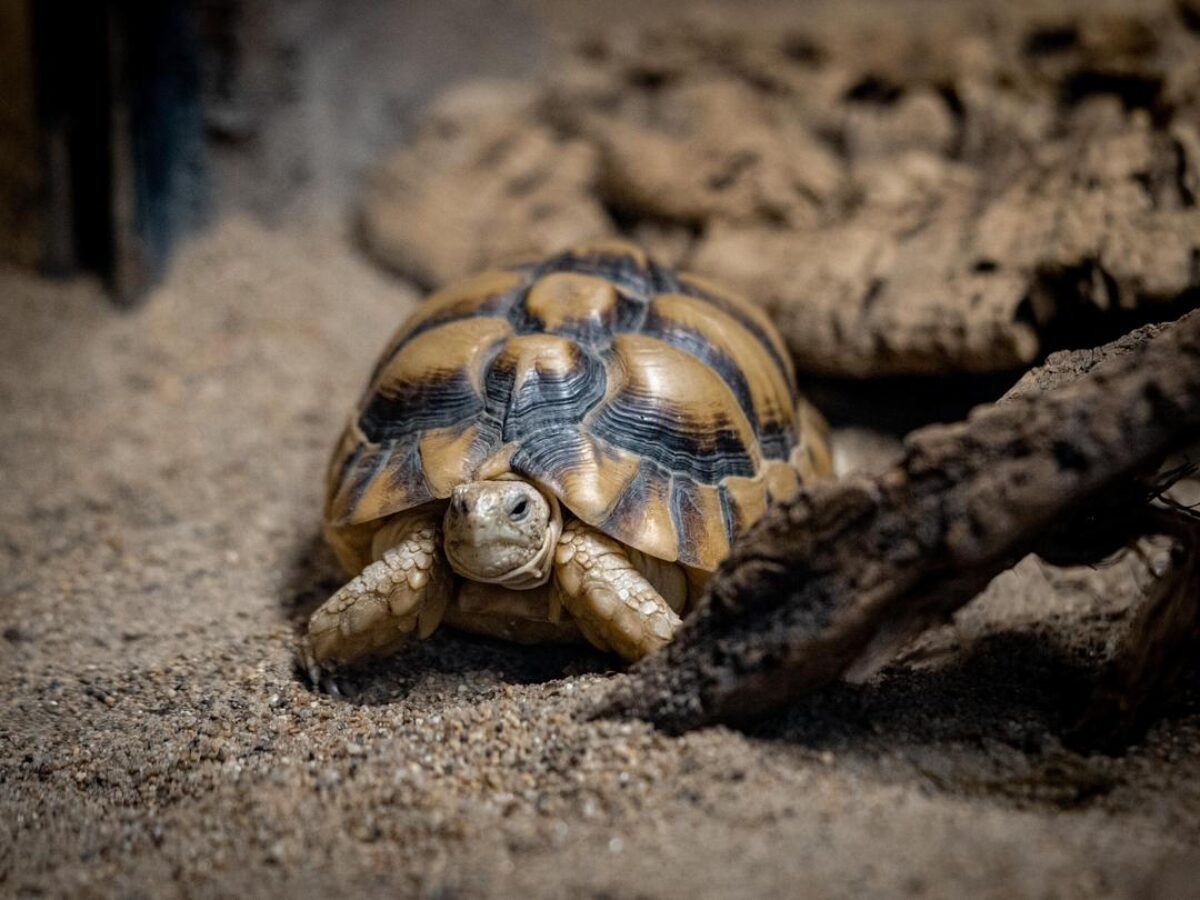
(319, 678)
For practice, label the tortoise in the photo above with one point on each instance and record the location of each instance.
(555, 450)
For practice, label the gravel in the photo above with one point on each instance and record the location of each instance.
(160, 482)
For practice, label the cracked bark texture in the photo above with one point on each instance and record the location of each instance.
(834, 582)
(956, 190)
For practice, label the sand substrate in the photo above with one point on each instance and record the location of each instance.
(160, 481)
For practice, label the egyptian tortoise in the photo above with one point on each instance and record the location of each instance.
(555, 450)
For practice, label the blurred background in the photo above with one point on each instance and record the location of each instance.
(126, 125)
(213, 213)
(911, 188)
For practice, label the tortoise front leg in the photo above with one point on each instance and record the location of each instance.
(405, 590)
(615, 607)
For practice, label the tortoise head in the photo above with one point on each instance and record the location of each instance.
(502, 532)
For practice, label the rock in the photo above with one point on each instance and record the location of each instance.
(477, 187)
(960, 196)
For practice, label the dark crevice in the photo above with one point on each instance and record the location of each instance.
(773, 217)
(1145, 181)
(1190, 13)
(898, 404)
(901, 403)
(1026, 312)
(834, 140)
(74, 104)
(632, 223)
(627, 219)
(1086, 308)
(875, 90)
(953, 101)
(733, 170)
(649, 79)
(1050, 41)
(802, 49)
(593, 49)
(1186, 196)
(1133, 90)
(873, 293)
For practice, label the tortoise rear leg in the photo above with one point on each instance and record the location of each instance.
(614, 605)
(404, 591)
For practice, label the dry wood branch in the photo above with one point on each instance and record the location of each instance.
(832, 583)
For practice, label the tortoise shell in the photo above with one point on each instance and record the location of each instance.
(656, 407)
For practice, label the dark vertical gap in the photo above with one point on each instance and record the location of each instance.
(119, 101)
(71, 53)
(161, 93)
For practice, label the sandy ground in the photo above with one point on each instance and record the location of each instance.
(160, 476)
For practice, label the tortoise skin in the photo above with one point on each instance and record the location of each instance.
(656, 407)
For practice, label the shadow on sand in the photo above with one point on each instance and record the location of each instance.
(996, 719)
(314, 574)
(1005, 705)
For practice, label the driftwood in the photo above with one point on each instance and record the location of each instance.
(833, 583)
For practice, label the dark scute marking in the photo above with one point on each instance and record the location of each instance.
(630, 315)
(496, 306)
(486, 440)
(348, 464)
(692, 290)
(552, 399)
(692, 341)
(663, 434)
(589, 332)
(522, 320)
(686, 513)
(498, 379)
(549, 453)
(405, 473)
(398, 461)
(663, 280)
(776, 439)
(399, 410)
(645, 489)
(621, 269)
(729, 515)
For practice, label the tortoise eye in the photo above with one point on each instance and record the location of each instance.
(518, 510)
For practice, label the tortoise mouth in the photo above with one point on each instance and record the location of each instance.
(514, 566)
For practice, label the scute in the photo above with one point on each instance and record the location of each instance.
(539, 381)
(656, 407)
(765, 393)
(671, 408)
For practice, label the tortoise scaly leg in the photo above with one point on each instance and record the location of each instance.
(615, 607)
(404, 591)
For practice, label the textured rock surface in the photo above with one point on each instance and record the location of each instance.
(909, 192)
(481, 183)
